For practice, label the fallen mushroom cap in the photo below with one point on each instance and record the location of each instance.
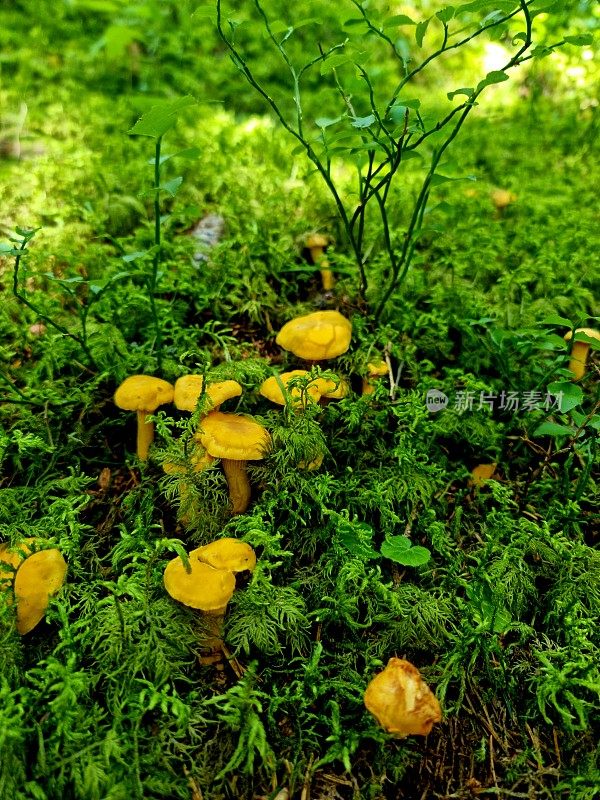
(39, 577)
(317, 336)
(233, 437)
(204, 587)
(188, 389)
(143, 393)
(401, 701)
(227, 553)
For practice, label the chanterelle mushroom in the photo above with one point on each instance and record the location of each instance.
(234, 439)
(143, 394)
(227, 553)
(271, 388)
(188, 389)
(316, 244)
(205, 588)
(38, 577)
(580, 350)
(401, 701)
(375, 370)
(317, 336)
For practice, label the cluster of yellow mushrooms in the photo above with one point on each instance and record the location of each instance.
(29, 574)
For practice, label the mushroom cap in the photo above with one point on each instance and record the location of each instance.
(316, 336)
(333, 390)
(233, 436)
(272, 390)
(401, 701)
(11, 558)
(188, 389)
(591, 332)
(227, 553)
(143, 393)
(204, 587)
(38, 577)
(481, 474)
(502, 198)
(376, 369)
(317, 240)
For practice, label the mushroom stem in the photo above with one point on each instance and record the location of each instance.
(318, 257)
(239, 484)
(212, 646)
(579, 352)
(145, 434)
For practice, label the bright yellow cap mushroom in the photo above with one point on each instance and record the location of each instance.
(271, 388)
(375, 369)
(316, 337)
(234, 439)
(502, 198)
(204, 587)
(188, 389)
(333, 390)
(227, 553)
(38, 577)
(580, 350)
(401, 701)
(143, 394)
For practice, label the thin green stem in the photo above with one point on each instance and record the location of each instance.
(157, 255)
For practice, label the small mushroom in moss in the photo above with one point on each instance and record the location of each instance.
(188, 389)
(375, 371)
(580, 350)
(481, 474)
(277, 387)
(38, 576)
(235, 439)
(316, 243)
(316, 337)
(204, 588)
(143, 394)
(401, 701)
(503, 198)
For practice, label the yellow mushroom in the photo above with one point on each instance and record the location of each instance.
(580, 350)
(227, 553)
(271, 388)
(235, 439)
(375, 370)
(481, 474)
(401, 701)
(37, 578)
(143, 394)
(502, 198)
(316, 337)
(316, 243)
(204, 588)
(188, 389)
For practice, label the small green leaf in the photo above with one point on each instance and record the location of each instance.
(331, 62)
(555, 319)
(553, 429)
(363, 122)
(172, 186)
(495, 76)
(397, 20)
(580, 40)
(400, 550)
(420, 32)
(134, 256)
(161, 118)
(446, 14)
(468, 91)
(568, 394)
(326, 122)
